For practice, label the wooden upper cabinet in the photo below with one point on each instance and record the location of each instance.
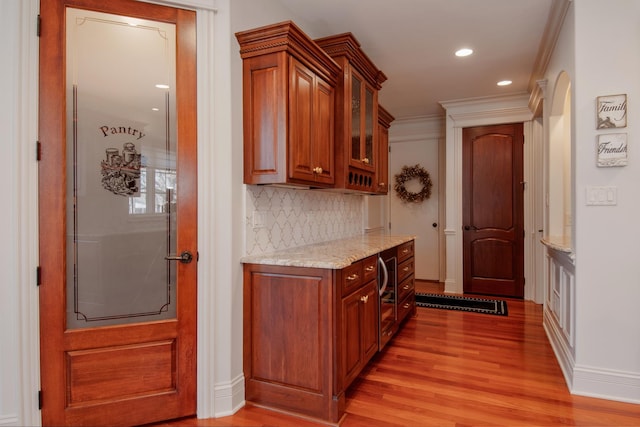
(357, 132)
(289, 90)
(382, 169)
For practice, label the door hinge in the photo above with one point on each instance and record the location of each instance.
(38, 276)
(38, 151)
(39, 399)
(38, 25)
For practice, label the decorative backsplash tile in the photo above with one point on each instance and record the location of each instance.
(281, 218)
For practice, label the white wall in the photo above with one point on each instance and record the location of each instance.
(607, 62)
(18, 255)
(419, 140)
(604, 61)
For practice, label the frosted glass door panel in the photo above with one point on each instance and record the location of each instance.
(121, 173)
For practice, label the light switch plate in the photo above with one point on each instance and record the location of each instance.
(602, 196)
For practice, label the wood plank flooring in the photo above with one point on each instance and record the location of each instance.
(450, 368)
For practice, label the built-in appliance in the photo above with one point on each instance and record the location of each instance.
(388, 292)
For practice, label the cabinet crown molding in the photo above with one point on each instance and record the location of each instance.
(288, 37)
(347, 46)
(384, 116)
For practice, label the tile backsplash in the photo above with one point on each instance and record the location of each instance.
(281, 218)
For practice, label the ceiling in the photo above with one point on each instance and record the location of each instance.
(413, 43)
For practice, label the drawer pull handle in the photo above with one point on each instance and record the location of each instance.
(370, 268)
(405, 269)
(405, 251)
(353, 277)
(364, 298)
(407, 305)
(405, 287)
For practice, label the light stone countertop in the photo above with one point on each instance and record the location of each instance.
(334, 254)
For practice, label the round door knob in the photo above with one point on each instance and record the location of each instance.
(434, 225)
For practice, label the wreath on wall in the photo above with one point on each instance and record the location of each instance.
(407, 174)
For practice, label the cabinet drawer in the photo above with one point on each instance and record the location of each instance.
(405, 269)
(407, 306)
(351, 278)
(369, 268)
(405, 251)
(406, 287)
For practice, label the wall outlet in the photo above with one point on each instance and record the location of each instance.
(260, 219)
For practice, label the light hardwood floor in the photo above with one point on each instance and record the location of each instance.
(450, 368)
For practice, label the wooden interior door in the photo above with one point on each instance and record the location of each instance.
(118, 215)
(493, 218)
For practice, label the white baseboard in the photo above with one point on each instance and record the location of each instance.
(590, 381)
(229, 397)
(9, 420)
(560, 347)
(606, 384)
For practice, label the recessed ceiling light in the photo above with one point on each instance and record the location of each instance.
(464, 52)
(162, 86)
(504, 82)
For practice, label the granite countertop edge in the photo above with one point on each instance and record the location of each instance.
(333, 254)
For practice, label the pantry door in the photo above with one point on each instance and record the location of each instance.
(118, 215)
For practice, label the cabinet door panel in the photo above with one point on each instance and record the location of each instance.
(369, 325)
(324, 128)
(352, 348)
(301, 122)
(264, 120)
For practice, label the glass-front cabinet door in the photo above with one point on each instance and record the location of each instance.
(363, 117)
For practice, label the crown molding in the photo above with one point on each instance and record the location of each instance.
(484, 110)
(550, 36)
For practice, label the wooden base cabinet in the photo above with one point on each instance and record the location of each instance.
(308, 333)
(358, 319)
(289, 346)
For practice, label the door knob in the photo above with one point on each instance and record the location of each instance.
(470, 227)
(185, 257)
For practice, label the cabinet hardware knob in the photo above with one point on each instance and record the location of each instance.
(407, 305)
(405, 269)
(370, 268)
(365, 161)
(405, 251)
(405, 287)
(364, 298)
(354, 276)
(381, 184)
(317, 170)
